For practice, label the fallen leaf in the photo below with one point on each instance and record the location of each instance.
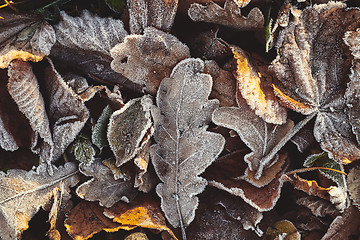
(229, 15)
(116, 5)
(103, 187)
(142, 212)
(86, 219)
(318, 207)
(283, 229)
(146, 59)
(137, 236)
(128, 127)
(312, 67)
(254, 86)
(24, 193)
(25, 37)
(261, 137)
(353, 183)
(83, 150)
(159, 14)
(99, 133)
(184, 148)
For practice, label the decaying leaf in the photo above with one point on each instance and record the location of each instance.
(261, 137)
(24, 193)
(353, 182)
(128, 127)
(99, 133)
(87, 219)
(84, 44)
(184, 148)
(318, 207)
(282, 230)
(230, 15)
(146, 59)
(158, 13)
(103, 187)
(142, 212)
(253, 85)
(59, 121)
(312, 67)
(26, 37)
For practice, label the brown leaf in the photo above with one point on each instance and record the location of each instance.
(353, 184)
(283, 229)
(25, 37)
(318, 207)
(142, 212)
(229, 15)
(86, 219)
(103, 187)
(146, 59)
(253, 84)
(312, 67)
(159, 14)
(184, 148)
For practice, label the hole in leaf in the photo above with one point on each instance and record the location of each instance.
(124, 60)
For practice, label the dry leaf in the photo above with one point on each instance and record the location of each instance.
(318, 207)
(184, 148)
(99, 133)
(84, 44)
(282, 230)
(24, 193)
(137, 236)
(25, 37)
(230, 15)
(157, 13)
(83, 149)
(261, 137)
(142, 212)
(312, 67)
(253, 85)
(127, 129)
(103, 187)
(146, 59)
(353, 183)
(86, 219)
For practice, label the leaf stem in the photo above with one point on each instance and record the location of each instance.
(314, 168)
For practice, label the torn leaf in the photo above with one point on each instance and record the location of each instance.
(128, 127)
(229, 16)
(142, 212)
(159, 14)
(99, 133)
(312, 67)
(103, 187)
(261, 137)
(25, 37)
(146, 59)
(184, 148)
(253, 85)
(24, 193)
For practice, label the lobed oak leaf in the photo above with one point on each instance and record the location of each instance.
(184, 148)
(127, 129)
(24, 193)
(25, 37)
(253, 85)
(159, 14)
(86, 219)
(142, 212)
(229, 16)
(103, 187)
(312, 67)
(264, 139)
(146, 59)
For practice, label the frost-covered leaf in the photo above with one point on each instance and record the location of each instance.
(128, 127)
(24, 36)
(146, 59)
(83, 149)
(253, 85)
(283, 229)
(116, 5)
(318, 207)
(142, 212)
(103, 187)
(99, 133)
(312, 67)
(184, 148)
(229, 15)
(261, 137)
(156, 13)
(353, 182)
(24, 193)
(84, 44)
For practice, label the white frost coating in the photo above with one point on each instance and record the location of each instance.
(7, 141)
(89, 32)
(338, 197)
(43, 39)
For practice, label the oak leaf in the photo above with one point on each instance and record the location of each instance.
(184, 148)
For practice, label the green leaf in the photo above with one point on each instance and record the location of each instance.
(322, 160)
(82, 149)
(115, 5)
(99, 133)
